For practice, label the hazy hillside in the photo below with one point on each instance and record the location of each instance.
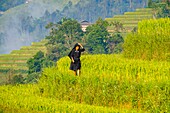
(20, 25)
(7, 4)
(25, 23)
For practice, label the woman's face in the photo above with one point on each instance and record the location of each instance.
(77, 47)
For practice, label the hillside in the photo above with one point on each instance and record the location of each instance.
(21, 25)
(113, 83)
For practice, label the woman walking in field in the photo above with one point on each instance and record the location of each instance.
(75, 55)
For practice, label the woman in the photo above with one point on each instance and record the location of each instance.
(75, 58)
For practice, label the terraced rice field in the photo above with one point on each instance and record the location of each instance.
(130, 19)
(17, 59)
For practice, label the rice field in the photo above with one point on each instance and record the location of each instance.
(131, 19)
(108, 83)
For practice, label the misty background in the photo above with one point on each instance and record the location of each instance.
(25, 23)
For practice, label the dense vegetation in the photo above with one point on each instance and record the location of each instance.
(151, 41)
(161, 8)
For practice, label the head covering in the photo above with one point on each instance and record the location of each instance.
(74, 48)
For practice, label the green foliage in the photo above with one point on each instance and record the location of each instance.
(96, 36)
(17, 79)
(66, 31)
(164, 11)
(118, 26)
(160, 8)
(35, 64)
(150, 42)
(150, 3)
(115, 43)
(63, 36)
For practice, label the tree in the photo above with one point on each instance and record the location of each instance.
(115, 43)
(96, 36)
(150, 3)
(63, 35)
(160, 8)
(35, 64)
(17, 79)
(118, 26)
(65, 31)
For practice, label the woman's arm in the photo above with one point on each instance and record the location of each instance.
(72, 59)
(82, 48)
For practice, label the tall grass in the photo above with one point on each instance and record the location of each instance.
(112, 81)
(28, 99)
(152, 41)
